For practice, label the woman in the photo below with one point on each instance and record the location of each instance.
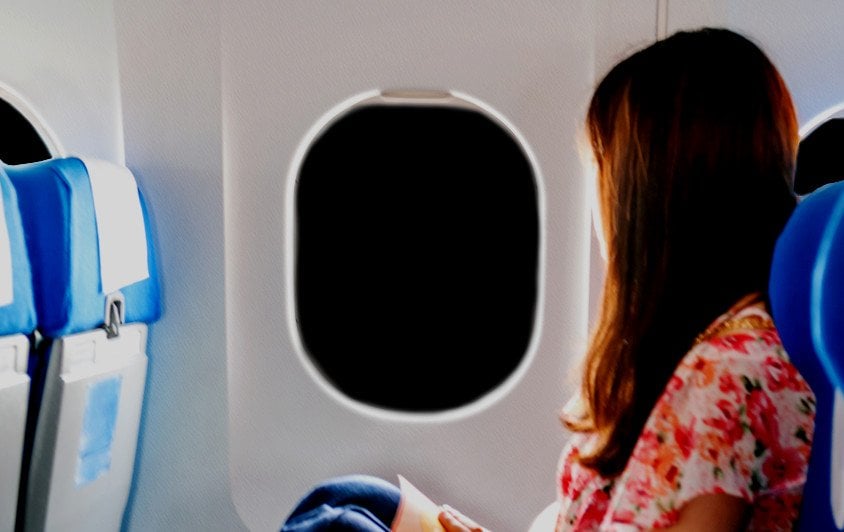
(690, 416)
(683, 421)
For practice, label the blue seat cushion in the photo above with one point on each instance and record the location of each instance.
(805, 292)
(19, 316)
(827, 310)
(57, 209)
(793, 269)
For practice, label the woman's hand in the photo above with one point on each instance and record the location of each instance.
(454, 521)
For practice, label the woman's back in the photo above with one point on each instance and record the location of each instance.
(735, 418)
(684, 418)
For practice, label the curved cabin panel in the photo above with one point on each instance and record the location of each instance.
(288, 70)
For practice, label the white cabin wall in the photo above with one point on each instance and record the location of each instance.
(61, 58)
(622, 27)
(689, 14)
(284, 66)
(210, 125)
(170, 80)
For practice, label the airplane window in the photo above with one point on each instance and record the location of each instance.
(820, 160)
(416, 255)
(19, 141)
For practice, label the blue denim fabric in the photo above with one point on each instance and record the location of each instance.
(356, 503)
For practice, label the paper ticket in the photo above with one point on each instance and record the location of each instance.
(416, 512)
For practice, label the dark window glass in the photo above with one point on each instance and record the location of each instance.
(19, 142)
(820, 159)
(416, 255)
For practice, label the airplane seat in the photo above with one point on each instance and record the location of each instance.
(547, 518)
(17, 321)
(95, 288)
(807, 303)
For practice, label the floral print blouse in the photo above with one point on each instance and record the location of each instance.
(735, 418)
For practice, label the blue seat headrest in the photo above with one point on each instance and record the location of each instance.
(58, 212)
(19, 315)
(807, 282)
(806, 292)
(827, 310)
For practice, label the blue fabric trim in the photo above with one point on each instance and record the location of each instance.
(799, 266)
(827, 303)
(57, 210)
(19, 316)
(97, 436)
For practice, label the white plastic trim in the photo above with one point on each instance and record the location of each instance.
(661, 19)
(836, 484)
(836, 111)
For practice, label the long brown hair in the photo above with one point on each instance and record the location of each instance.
(695, 139)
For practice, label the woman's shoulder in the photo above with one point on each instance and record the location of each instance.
(746, 345)
(735, 418)
(746, 333)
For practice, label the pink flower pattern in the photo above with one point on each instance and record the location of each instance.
(736, 418)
